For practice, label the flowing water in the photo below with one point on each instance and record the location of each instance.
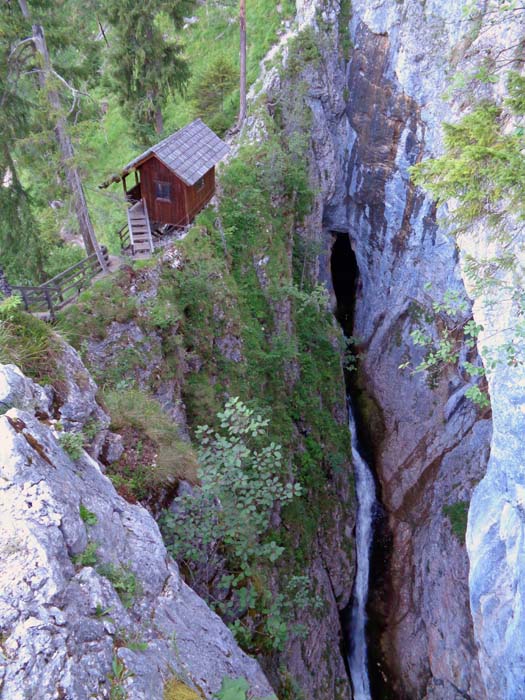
(366, 500)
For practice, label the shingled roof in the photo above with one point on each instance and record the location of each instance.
(189, 152)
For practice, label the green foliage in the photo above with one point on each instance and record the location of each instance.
(457, 513)
(303, 51)
(210, 91)
(169, 459)
(123, 580)
(477, 396)
(236, 689)
(242, 481)
(87, 516)
(118, 676)
(481, 167)
(88, 557)
(516, 91)
(247, 478)
(72, 444)
(146, 63)
(446, 342)
(28, 342)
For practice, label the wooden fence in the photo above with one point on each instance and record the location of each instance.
(62, 289)
(125, 240)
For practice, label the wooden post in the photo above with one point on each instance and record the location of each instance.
(24, 299)
(242, 27)
(49, 303)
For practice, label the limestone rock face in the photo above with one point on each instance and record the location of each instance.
(430, 445)
(77, 626)
(17, 391)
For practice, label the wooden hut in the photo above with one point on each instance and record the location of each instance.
(171, 181)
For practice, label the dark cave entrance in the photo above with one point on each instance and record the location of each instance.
(345, 275)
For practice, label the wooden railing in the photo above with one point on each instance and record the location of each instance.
(125, 240)
(63, 288)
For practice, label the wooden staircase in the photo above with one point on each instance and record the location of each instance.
(139, 229)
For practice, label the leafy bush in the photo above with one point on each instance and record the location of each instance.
(457, 513)
(236, 689)
(87, 516)
(246, 478)
(123, 580)
(88, 557)
(243, 481)
(72, 444)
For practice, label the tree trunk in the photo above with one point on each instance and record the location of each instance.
(242, 26)
(66, 147)
(159, 122)
(5, 287)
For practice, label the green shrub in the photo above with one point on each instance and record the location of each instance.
(457, 513)
(72, 444)
(246, 477)
(87, 516)
(236, 689)
(123, 581)
(88, 557)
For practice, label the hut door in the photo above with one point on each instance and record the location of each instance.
(163, 201)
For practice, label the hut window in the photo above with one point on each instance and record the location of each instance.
(200, 184)
(162, 190)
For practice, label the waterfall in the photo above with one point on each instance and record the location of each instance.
(366, 500)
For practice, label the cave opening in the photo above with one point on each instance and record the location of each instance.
(345, 275)
(345, 282)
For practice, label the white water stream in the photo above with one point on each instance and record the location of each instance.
(366, 498)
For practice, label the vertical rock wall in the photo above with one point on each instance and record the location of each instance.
(431, 445)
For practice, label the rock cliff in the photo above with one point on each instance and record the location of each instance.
(430, 444)
(91, 604)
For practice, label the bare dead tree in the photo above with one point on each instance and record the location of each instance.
(45, 77)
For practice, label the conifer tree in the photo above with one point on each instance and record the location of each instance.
(47, 81)
(21, 250)
(145, 62)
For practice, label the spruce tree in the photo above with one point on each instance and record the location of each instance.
(145, 62)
